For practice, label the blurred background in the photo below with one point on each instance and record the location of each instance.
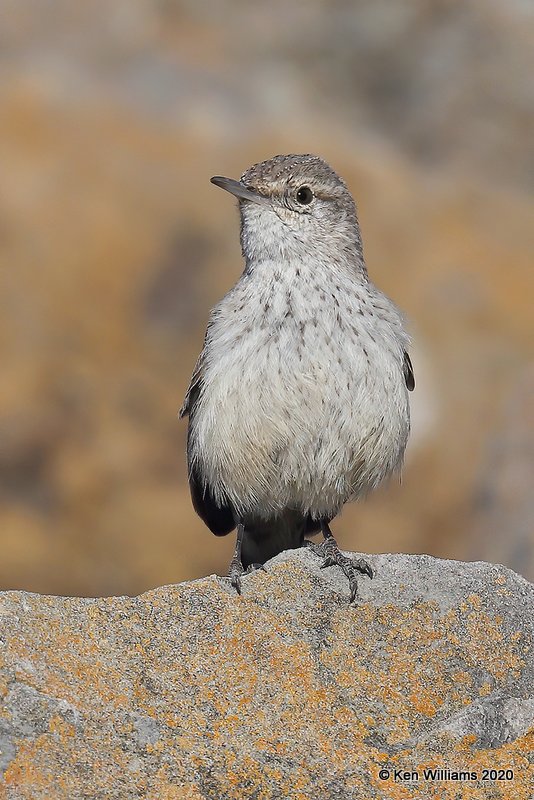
(114, 246)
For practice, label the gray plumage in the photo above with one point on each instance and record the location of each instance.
(299, 400)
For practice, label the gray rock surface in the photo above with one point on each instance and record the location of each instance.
(190, 691)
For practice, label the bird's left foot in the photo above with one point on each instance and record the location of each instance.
(237, 570)
(332, 557)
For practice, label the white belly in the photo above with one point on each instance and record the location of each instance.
(307, 414)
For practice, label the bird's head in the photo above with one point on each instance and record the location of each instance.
(296, 206)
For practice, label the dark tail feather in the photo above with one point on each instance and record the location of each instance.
(264, 539)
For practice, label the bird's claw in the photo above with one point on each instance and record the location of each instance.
(364, 567)
(235, 574)
(237, 570)
(333, 557)
(328, 562)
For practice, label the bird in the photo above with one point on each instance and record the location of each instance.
(298, 402)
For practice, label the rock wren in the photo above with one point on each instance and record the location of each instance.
(298, 402)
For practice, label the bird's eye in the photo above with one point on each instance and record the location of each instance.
(304, 195)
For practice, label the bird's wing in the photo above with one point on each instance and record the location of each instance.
(408, 372)
(218, 517)
(194, 387)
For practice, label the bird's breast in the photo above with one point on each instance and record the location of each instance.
(299, 404)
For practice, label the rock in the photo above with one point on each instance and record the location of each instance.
(191, 691)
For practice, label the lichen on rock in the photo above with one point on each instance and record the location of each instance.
(191, 691)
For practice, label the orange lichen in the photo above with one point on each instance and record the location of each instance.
(247, 693)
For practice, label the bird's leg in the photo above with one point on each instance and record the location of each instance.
(334, 557)
(237, 570)
(236, 565)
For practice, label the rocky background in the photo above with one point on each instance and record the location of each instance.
(287, 691)
(113, 247)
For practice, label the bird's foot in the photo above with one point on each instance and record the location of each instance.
(237, 570)
(333, 557)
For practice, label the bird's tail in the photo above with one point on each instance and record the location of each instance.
(264, 539)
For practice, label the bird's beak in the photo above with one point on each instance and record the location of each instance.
(238, 190)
